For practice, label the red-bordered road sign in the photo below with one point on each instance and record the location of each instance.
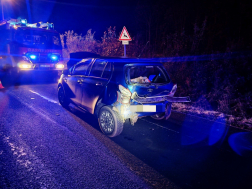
(125, 35)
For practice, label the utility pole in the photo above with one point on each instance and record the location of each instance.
(2, 10)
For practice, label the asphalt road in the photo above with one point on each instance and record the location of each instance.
(43, 145)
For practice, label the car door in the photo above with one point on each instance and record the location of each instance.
(95, 83)
(75, 81)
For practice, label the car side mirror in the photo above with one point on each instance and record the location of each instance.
(65, 72)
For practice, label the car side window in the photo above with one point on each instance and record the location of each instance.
(80, 69)
(71, 70)
(107, 71)
(98, 68)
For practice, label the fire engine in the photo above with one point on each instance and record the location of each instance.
(28, 47)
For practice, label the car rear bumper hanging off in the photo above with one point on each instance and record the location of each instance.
(142, 106)
(133, 111)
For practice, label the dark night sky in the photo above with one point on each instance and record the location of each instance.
(77, 15)
(226, 19)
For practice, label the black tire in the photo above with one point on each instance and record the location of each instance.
(9, 78)
(110, 122)
(63, 100)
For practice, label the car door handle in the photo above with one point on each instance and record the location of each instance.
(65, 79)
(98, 84)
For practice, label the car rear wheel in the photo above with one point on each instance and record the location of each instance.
(110, 122)
(63, 100)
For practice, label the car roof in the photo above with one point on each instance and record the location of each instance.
(123, 61)
(80, 57)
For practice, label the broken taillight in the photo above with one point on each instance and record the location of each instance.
(174, 88)
(124, 95)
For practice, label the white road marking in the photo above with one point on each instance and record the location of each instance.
(44, 97)
(37, 110)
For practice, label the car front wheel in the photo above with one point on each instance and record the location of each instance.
(110, 122)
(10, 78)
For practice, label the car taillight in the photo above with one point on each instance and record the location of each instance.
(174, 88)
(124, 95)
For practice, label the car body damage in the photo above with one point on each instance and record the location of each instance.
(130, 105)
(116, 89)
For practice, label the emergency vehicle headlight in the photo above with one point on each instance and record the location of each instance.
(60, 66)
(24, 66)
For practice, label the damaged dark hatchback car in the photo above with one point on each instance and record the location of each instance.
(116, 89)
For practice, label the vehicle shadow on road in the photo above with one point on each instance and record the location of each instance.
(84, 116)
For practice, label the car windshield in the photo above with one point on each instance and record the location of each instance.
(38, 39)
(147, 74)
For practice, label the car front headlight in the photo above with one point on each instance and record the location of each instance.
(60, 66)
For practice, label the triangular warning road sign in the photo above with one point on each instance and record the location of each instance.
(125, 35)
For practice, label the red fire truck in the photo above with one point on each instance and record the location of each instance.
(27, 48)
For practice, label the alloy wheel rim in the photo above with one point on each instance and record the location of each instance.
(107, 122)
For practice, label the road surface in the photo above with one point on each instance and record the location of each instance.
(43, 145)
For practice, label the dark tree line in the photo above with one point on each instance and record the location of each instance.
(215, 28)
(194, 27)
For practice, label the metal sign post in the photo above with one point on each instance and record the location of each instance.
(124, 51)
(125, 38)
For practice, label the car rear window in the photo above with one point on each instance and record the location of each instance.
(147, 74)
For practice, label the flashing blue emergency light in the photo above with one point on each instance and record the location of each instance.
(32, 56)
(54, 57)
